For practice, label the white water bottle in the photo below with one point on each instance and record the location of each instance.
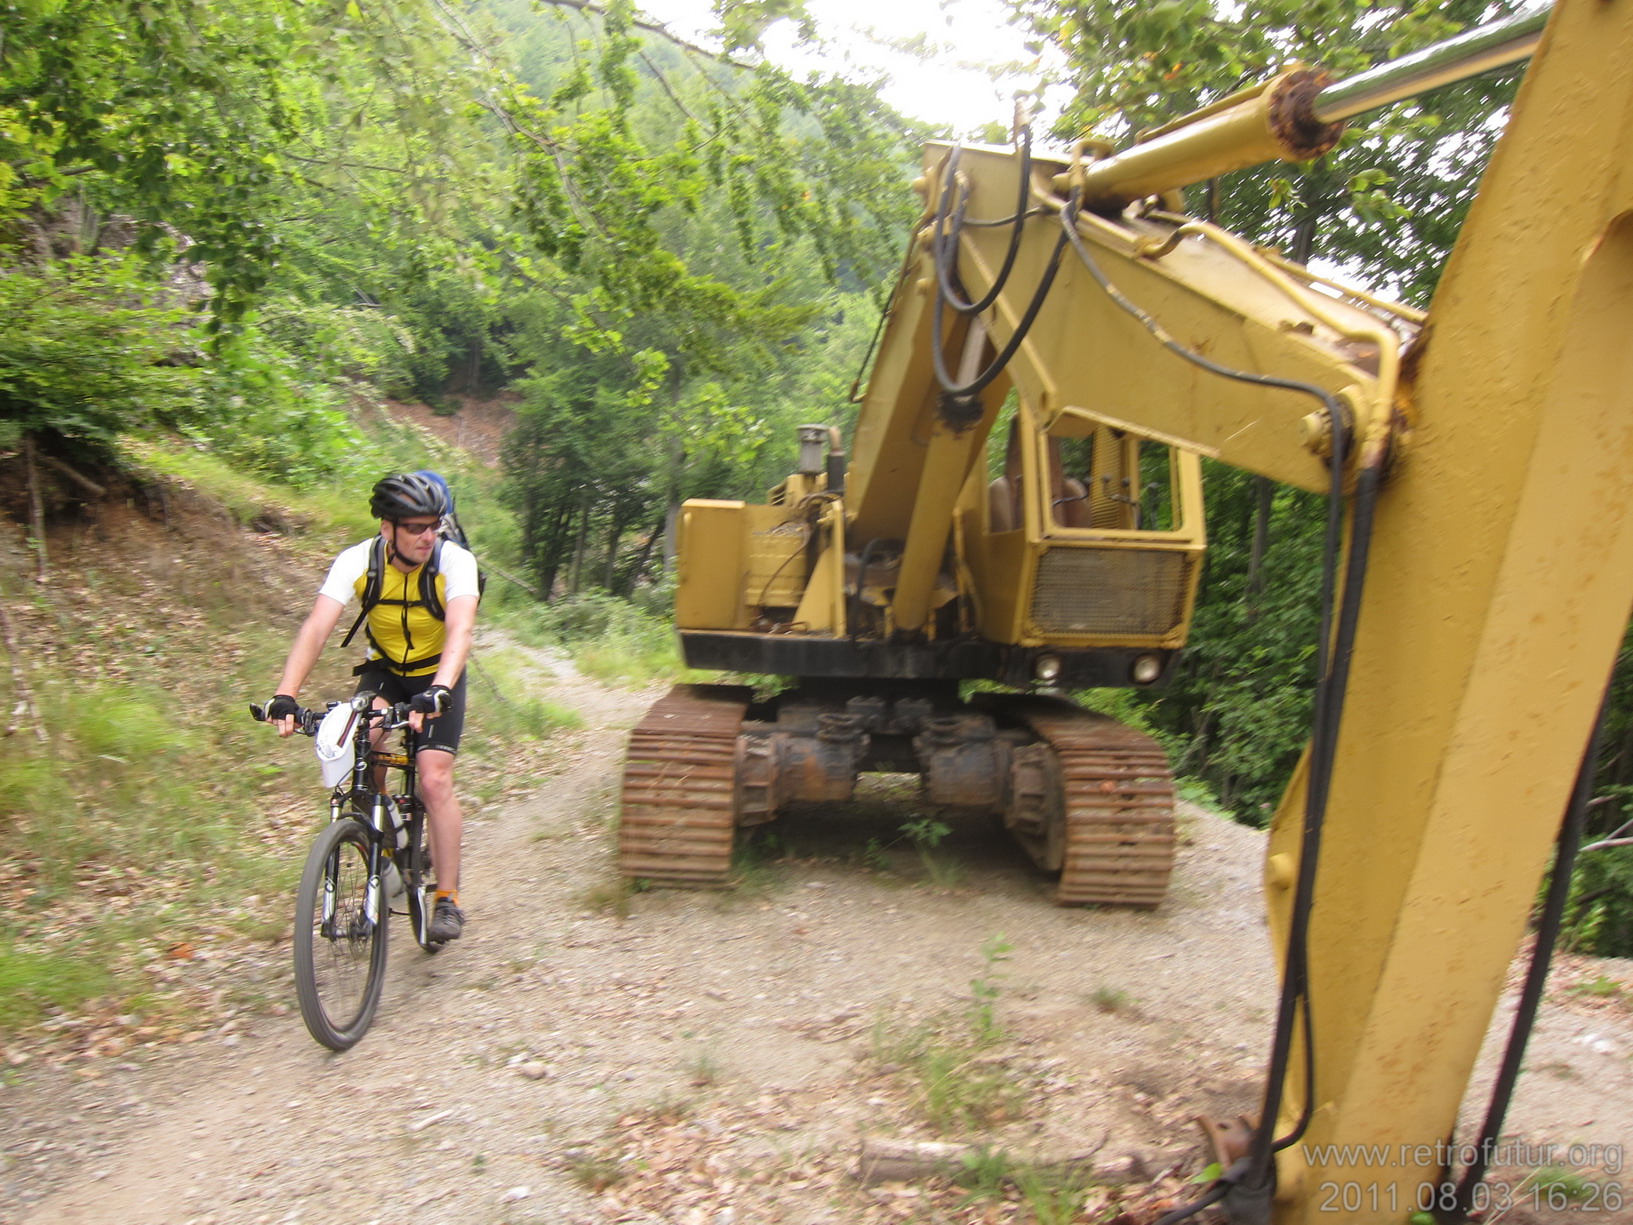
(391, 880)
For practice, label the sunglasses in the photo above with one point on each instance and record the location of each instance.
(417, 529)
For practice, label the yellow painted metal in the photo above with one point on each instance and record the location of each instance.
(1005, 565)
(949, 456)
(1211, 294)
(735, 559)
(708, 593)
(1502, 577)
(898, 415)
(822, 607)
(1246, 129)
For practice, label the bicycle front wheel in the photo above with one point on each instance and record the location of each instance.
(340, 953)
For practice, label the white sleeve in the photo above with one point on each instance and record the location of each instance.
(458, 572)
(350, 566)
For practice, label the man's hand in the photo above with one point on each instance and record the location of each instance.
(280, 712)
(428, 704)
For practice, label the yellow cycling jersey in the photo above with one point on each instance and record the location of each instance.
(400, 627)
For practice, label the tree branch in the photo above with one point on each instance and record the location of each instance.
(720, 57)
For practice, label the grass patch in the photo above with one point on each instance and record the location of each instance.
(609, 897)
(954, 1089)
(594, 1170)
(1110, 999)
(529, 717)
(611, 640)
(1601, 988)
(1559, 1187)
(959, 1082)
(33, 982)
(757, 854)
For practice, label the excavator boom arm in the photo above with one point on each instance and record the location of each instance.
(1501, 564)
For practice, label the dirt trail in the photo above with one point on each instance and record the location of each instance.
(709, 1058)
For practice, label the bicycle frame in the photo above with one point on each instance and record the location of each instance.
(362, 794)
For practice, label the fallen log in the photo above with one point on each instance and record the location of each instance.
(881, 1159)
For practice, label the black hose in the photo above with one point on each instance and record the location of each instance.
(959, 403)
(1536, 976)
(946, 241)
(1251, 1178)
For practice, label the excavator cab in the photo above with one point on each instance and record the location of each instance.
(1086, 546)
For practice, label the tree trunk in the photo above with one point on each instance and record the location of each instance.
(615, 533)
(671, 518)
(36, 507)
(575, 583)
(1261, 542)
(884, 1160)
(632, 576)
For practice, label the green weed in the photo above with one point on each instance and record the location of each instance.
(533, 718)
(1558, 1185)
(611, 897)
(1054, 1198)
(1110, 999)
(984, 988)
(594, 1170)
(35, 981)
(756, 855)
(926, 834)
(959, 1084)
(1602, 987)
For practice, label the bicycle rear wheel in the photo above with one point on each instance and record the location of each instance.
(340, 954)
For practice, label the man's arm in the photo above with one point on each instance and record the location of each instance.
(456, 644)
(304, 652)
(456, 649)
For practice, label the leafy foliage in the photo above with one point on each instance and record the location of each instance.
(88, 352)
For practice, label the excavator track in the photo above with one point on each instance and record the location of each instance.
(1118, 808)
(679, 807)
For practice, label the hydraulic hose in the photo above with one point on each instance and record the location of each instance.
(1247, 1187)
(1536, 976)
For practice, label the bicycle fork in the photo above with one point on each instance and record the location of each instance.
(383, 818)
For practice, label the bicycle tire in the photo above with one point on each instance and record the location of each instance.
(340, 963)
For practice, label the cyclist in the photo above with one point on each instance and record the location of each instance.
(414, 656)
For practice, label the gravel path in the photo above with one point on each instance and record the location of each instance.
(712, 1058)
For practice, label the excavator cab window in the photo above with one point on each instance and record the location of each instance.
(1098, 478)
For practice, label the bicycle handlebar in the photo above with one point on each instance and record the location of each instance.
(306, 721)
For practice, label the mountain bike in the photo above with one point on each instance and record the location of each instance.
(372, 852)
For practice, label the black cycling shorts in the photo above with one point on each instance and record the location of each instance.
(441, 733)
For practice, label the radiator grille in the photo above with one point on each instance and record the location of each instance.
(1110, 591)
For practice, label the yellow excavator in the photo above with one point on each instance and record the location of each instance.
(1021, 504)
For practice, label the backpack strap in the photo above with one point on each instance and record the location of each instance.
(371, 587)
(429, 595)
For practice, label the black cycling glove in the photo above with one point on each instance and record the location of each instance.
(282, 707)
(433, 700)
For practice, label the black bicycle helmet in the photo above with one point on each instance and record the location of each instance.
(406, 494)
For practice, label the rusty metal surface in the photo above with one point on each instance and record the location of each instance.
(1228, 1140)
(1033, 815)
(1293, 118)
(1118, 807)
(964, 763)
(679, 805)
